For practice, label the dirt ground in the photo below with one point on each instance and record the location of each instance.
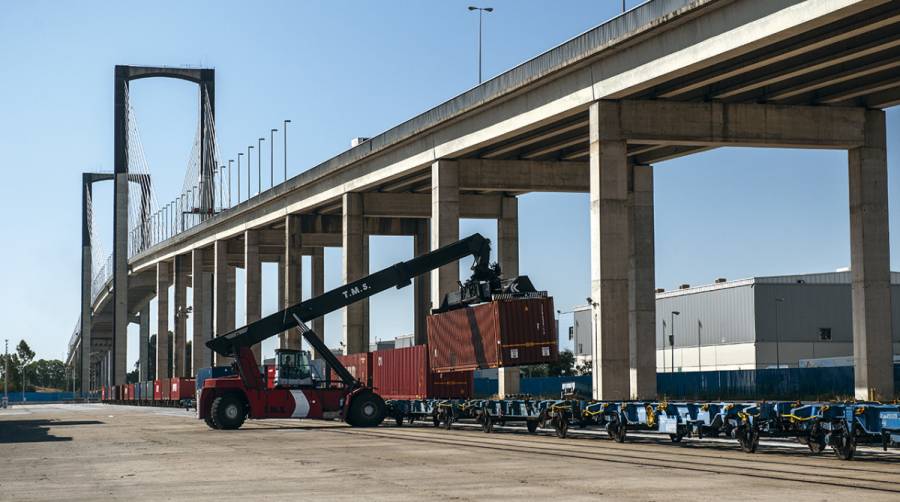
(96, 451)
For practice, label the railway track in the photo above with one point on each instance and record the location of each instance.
(787, 464)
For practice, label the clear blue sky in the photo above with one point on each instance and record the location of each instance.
(339, 70)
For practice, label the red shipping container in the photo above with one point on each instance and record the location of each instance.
(157, 389)
(129, 392)
(514, 332)
(401, 373)
(405, 374)
(359, 365)
(166, 388)
(453, 385)
(181, 388)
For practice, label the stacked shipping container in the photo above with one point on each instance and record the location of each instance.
(514, 332)
(406, 374)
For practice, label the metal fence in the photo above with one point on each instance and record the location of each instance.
(807, 384)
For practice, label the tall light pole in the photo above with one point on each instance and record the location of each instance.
(286, 122)
(249, 184)
(672, 337)
(239, 177)
(777, 337)
(481, 11)
(272, 157)
(229, 181)
(6, 373)
(259, 165)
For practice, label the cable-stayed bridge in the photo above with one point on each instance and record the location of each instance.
(666, 79)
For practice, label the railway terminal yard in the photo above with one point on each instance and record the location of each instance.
(91, 451)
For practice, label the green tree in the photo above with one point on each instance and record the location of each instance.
(24, 352)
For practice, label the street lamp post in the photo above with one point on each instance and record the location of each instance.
(480, 10)
(259, 165)
(777, 337)
(239, 177)
(286, 122)
(672, 337)
(6, 373)
(249, 184)
(229, 181)
(272, 157)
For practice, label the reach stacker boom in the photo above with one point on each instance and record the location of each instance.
(295, 390)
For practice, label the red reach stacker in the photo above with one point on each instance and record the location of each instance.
(295, 389)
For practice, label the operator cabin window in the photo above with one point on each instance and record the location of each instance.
(825, 334)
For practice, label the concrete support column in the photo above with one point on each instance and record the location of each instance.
(508, 256)
(291, 275)
(610, 237)
(87, 276)
(421, 285)
(354, 337)
(317, 269)
(253, 280)
(870, 263)
(201, 355)
(223, 296)
(444, 224)
(143, 340)
(163, 280)
(642, 285)
(183, 264)
(120, 279)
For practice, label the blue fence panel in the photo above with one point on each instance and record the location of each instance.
(40, 397)
(485, 387)
(552, 386)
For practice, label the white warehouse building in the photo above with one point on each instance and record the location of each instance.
(762, 322)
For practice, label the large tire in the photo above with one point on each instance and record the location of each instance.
(844, 444)
(532, 426)
(366, 410)
(748, 437)
(228, 412)
(561, 425)
(210, 423)
(487, 423)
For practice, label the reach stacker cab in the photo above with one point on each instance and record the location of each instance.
(296, 390)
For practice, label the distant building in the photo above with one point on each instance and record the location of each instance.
(381, 345)
(403, 341)
(752, 323)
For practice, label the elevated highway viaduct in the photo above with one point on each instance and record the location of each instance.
(668, 78)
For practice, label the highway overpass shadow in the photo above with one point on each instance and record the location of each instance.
(36, 431)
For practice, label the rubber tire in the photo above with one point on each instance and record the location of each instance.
(845, 446)
(210, 423)
(748, 439)
(676, 438)
(448, 421)
(620, 433)
(561, 424)
(399, 421)
(436, 420)
(487, 423)
(366, 410)
(532, 426)
(228, 412)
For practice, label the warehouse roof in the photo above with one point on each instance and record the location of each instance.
(839, 277)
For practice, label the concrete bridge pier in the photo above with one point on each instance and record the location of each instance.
(253, 283)
(201, 312)
(610, 238)
(421, 285)
(317, 283)
(179, 337)
(508, 257)
(444, 224)
(355, 336)
(641, 284)
(291, 275)
(870, 263)
(163, 281)
(223, 295)
(143, 341)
